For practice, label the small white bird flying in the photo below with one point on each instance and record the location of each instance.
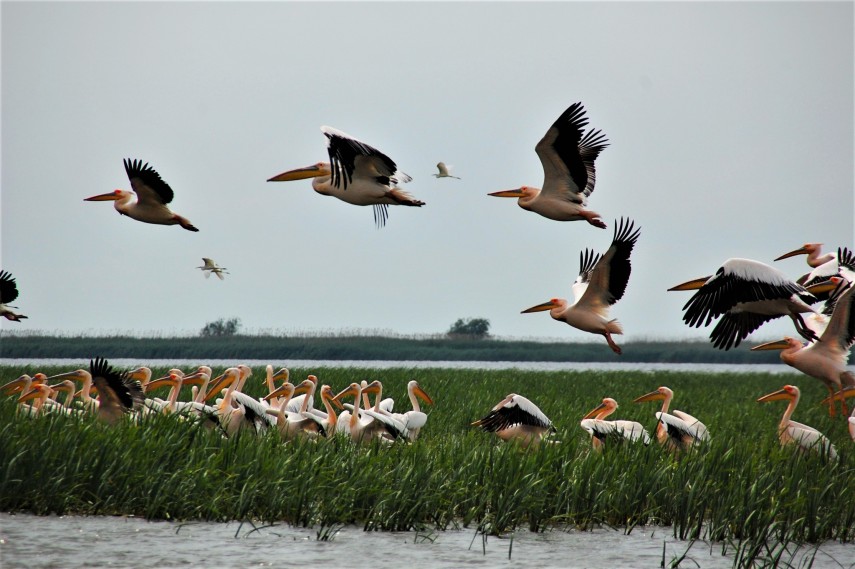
(211, 267)
(443, 171)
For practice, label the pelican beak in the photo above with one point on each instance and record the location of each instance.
(692, 285)
(299, 174)
(423, 395)
(15, 385)
(799, 251)
(280, 390)
(841, 395)
(161, 382)
(31, 394)
(776, 396)
(283, 374)
(350, 390)
(540, 307)
(218, 384)
(304, 387)
(825, 286)
(110, 196)
(776, 345)
(518, 193)
(652, 396)
(197, 378)
(593, 412)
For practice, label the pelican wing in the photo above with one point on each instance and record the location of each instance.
(115, 390)
(629, 430)
(568, 157)
(351, 158)
(739, 281)
(681, 430)
(147, 183)
(513, 410)
(608, 279)
(736, 326)
(839, 335)
(8, 288)
(699, 429)
(809, 438)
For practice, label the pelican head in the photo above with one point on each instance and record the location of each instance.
(608, 404)
(313, 171)
(286, 389)
(789, 392)
(661, 394)
(693, 284)
(806, 249)
(552, 303)
(783, 344)
(419, 392)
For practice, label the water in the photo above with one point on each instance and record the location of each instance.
(87, 542)
(387, 364)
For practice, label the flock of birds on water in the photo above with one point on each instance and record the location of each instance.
(741, 296)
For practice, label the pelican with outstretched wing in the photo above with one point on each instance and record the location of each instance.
(8, 293)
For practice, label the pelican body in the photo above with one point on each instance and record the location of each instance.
(516, 418)
(357, 173)
(792, 433)
(569, 175)
(601, 430)
(601, 282)
(148, 200)
(8, 293)
(675, 430)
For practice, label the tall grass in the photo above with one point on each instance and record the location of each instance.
(741, 489)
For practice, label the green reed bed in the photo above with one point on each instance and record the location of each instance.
(741, 488)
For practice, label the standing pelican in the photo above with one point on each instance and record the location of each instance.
(601, 282)
(443, 171)
(568, 170)
(601, 430)
(211, 267)
(147, 202)
(791, 432)
(8, 293)
(414, 419)
(675, 430)
(747, 294)
(824, 359)
(516, 418)
(357, 173)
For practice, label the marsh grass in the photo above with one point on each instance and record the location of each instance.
(742, 489)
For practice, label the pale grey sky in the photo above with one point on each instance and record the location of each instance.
(731, 131)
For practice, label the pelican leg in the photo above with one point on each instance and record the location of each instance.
(593, 218)
(615, 348)
(803, 329)
(832, 412)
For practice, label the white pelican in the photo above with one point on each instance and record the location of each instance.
(147, 202)
(840, 265)
(675, 430)
(443, 171)
(601, 430)
(824, 359)
(87, 402)
(210, 267)
(357, 173)
(414, 419)
(517, 418)
(8, 293)
(791, 432)
(117, 393)
(356, 423)
(293, 423)
(746, 294)
(568, 170)
(815, 258)
(601, 282)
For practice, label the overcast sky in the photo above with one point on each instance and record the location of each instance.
(731, 131)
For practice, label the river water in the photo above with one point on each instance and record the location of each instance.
(28, 541)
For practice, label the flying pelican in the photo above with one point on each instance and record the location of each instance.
(815, 258)
(211, 267)
(600, 429)
(601, 282)
(824, 359)
(147, 202)
(791, 432)
(568, 170)
(116, 392)
(675, 430)
(840, 265)
(517, 418)
(357, 173)
(443, 171)
(747, 294)
(8, 293)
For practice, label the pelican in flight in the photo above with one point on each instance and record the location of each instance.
(601, 430)
(357, 173)
(568, 170)
(815, 258)
(148, 200)
(516, 418)
(210, 267)
(443, 171)
(117, 393)
(826, 266)
(791, 432)
(601, 282)
(825, 359)
(8, 293)
(675, 430)
(747, 294)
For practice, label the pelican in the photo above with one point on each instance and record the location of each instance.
(87, 402)
(517, 418)
(414, 419)
(357, 173)
(601, 282)
(210, 267)
(147, 202)
(815, 258)
(600, 429)
(354, 423)
(8, 293)
(675, 430)
(116, 392)
(747, 294)
(568, 170)
(824, 359)
(829, 265)
(443, 171)
(292, 424)
(791, 432)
